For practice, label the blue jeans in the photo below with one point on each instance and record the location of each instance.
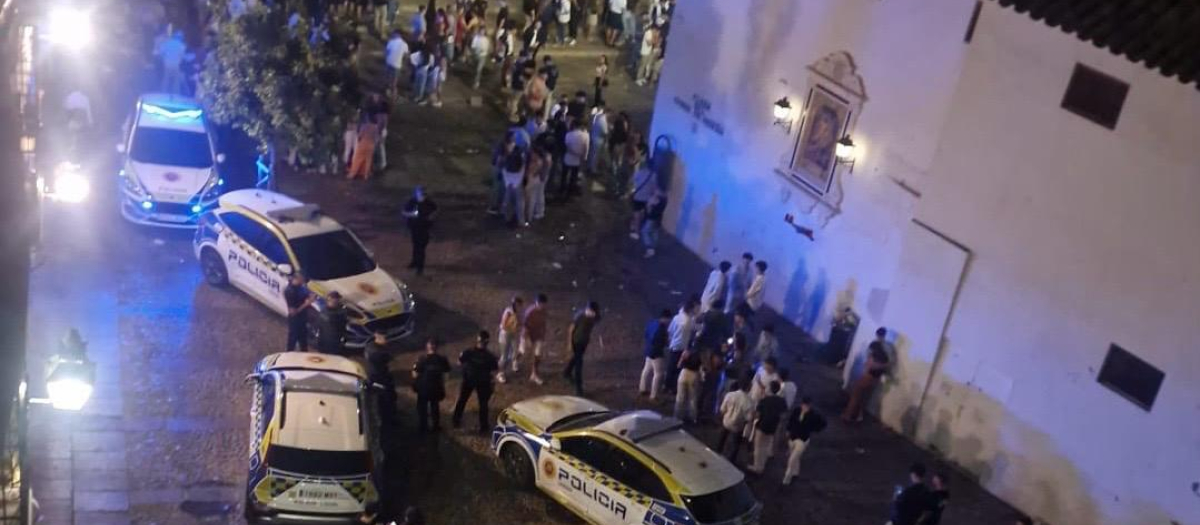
(650, 230)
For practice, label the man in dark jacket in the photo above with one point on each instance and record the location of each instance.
(379, 374)
(804, 423)
(655, 352)
(331, 335)
(298, 299)
(912, 500)
(938, 497)
(419, 211)
(478, 365)
(429, 381)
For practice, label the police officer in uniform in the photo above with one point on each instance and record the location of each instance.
(429, 381)
(332, 334)
(298, 299)
(478, 364)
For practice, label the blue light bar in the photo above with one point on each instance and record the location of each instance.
(183, 114)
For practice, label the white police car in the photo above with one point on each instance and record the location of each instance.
(169, 173)
(255, 239)
(314, 442)
(623, 468)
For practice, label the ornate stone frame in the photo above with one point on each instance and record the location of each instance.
(838, 74)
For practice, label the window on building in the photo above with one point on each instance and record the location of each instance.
(1095, 96)
(1131, 377)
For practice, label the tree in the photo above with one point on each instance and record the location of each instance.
(283, 77)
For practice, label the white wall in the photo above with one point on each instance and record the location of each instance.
(727, 198)
(1081, 237)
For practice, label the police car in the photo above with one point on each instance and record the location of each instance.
(314, 447)
(614, 467)
(255, 239)
(168, 175)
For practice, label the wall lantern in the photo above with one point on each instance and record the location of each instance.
(28, 144)
(783, 114)
(845, 152)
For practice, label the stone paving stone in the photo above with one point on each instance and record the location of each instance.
(54, 512)
(45, 469)
(168, 496)
(111, 461)
(213, 494)
(102, 518)
(100, 501)
(54, 489)
(96, 480)
(98, 441)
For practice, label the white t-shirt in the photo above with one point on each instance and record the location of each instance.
(736, 409)
(577, 145)
(788, 392)
(762, 383)
(648, 43)
(564, 11)
(512, 179)
(616, 7)
(481, 45)
(396, 49)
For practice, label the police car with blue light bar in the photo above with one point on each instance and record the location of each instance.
(627, 468)
(168, 175)
(255, 239)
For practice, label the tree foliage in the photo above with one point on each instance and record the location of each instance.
(284, 77)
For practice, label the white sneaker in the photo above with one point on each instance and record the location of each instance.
(536, 380)
(634, 236)
(500, 377)
(649, 253)
(571, 43)
(516, 367)
(437, 104)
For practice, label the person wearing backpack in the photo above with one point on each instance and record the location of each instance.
(804, 423)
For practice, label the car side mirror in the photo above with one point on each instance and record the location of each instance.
(220, 158)
(285, 269)
(121, 148)
(252, 377)
(555, 444)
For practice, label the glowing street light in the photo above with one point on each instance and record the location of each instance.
(70, 184)
(69, 27)
(71, 378)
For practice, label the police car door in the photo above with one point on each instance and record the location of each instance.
(248, 268)
(583, 478)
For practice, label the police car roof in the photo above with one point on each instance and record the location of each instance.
(316, 420)
(163, 110)
(544, 411)
(316, 362)
(696, 468)
(294, 218)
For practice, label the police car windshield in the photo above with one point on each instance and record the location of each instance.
(722, 505)
(331, 255)
(171, 147)
(323, 463)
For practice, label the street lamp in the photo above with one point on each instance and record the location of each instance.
(845, 151)
(782, 111)
(71, 376)
(70, 185)
(69, 27)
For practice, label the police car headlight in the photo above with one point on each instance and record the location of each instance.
(131, 184)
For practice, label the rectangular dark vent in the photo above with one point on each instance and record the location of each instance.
(1095, 96)
(1132, 378)
(974, 20)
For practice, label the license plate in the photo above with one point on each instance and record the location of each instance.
(318, 494)
(171, 218)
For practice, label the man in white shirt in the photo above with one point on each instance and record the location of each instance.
(788, 388)
(736, 410)
(599, 135)
(660, 13)
(679, 333)
(397, 50)
(715, 287)
(564, 21)
(766, 374)
(577, 143)
(739, 282)
(766, 346)
(758, 287)
(481, 47)
(646, 56)
(616, 13)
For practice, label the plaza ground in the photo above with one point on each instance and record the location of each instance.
(165, 438)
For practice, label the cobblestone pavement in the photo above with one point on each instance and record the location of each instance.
(164, 439)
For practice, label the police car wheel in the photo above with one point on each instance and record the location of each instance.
(213, 268)
(517, 465)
